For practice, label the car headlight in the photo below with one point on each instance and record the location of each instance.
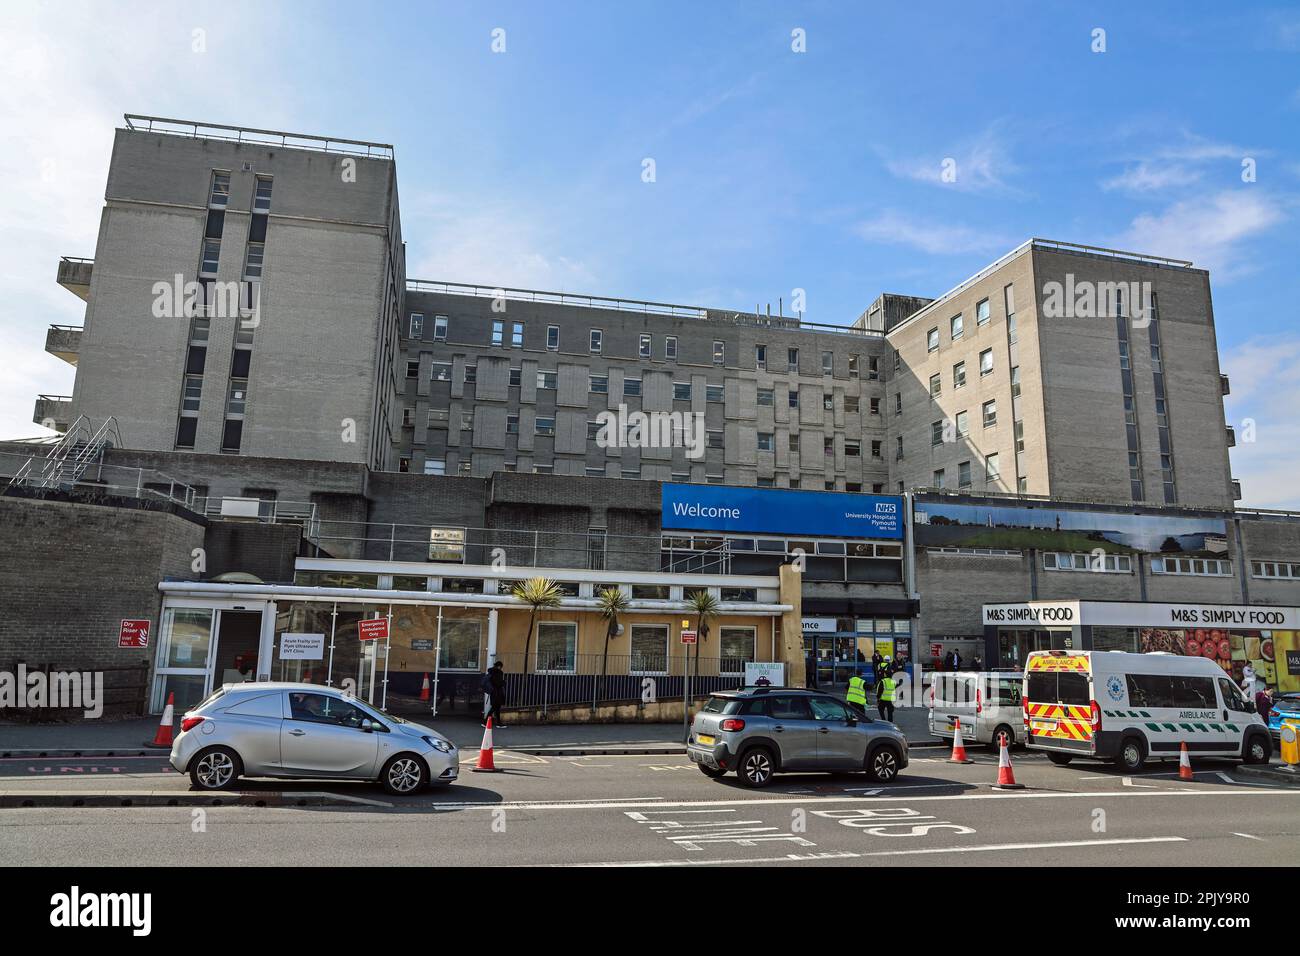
(440, 745)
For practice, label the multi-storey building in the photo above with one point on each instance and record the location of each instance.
(1014, 381)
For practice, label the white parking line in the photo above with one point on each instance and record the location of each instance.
(847, 855)
(1249, 836)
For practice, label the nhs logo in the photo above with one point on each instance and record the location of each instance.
(886, 508)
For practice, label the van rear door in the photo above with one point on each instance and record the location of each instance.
(954, 699)
(1058, 701)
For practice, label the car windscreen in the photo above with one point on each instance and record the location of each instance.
(1287, 705)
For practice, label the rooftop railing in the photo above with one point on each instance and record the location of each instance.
(578, 300)
(252, 135)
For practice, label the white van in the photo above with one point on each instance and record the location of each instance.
(1114, 705)
(987, 702)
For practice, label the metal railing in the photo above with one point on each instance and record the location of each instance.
(269, 511)
(248, 134)
(69, 458)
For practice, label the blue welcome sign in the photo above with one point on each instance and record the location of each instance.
(781, 511)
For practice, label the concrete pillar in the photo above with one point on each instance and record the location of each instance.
(492, 637)
(790, 643)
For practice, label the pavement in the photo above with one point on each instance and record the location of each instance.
(636, 810)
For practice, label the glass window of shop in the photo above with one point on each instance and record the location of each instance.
(1115, 639)
(735, 648)
(557, 646)
(308, 657)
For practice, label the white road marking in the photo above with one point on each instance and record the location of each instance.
(632, 803)
(1249, 836)
(847, 855)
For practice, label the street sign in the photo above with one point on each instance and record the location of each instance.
(422, 644)
(688, 637)
(133, 634)
(375, 629)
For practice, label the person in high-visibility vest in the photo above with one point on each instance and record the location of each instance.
(885, 697)
(857, 694)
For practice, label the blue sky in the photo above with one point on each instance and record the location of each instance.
(774, 170)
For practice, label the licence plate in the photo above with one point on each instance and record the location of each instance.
(703, 758)
(1042, 726)
(705, 739)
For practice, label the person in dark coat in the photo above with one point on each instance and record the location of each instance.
(494, 691)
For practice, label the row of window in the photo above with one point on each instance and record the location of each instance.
(853, 548)
(1214, 567)
(1087, 561)
(957, 324)
(951, 429)
(1275, 569)
(992, 473)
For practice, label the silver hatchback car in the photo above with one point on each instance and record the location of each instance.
(305, 731)
(759, 731)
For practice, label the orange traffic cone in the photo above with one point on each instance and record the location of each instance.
(1006, 779)
(958, 748)
(164, 736)
(485, 764)
(1184, 764)
(424, 688)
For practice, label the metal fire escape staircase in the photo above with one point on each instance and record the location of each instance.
(81, 446)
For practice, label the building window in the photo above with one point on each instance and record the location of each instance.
(544, 426)
(715, 439)
(253, 261)
(1015, 381)
(959, 375)
(1275, 569)
(793, 444)
(793, 398)
(403, 465)
(516, 377)
(714, 393)
(439, 418)
(547, 380)
(736, 649)
(219, 196)
(498, 333)
(1019, 430)
(766, 397)
(645, 347)
(898, 403)
(828, 363)
(828, 402)
(1215, 567)
(986, 362)
(719, 353)
(649, 649)
(851, 404)
(631, 386)
(874, 406)
(440, 328)
(982, 311)
(408, 417)
(760, 356)
(512, 424)
(875, 449)
(682, 392)
(412, 369)
(828, 446)
(466, 466)
(852, 449)
(991, 472)
(1087, 561)
(416, 326)
(936, 433)
(990, 410)
(598, 384)
(553, 338)
(936, 385)
(471, 374)
(517, 335)
(440, 371)
(932, 340)
(955, 327)
(670, 347)
(962, 424)
(873, 367)
(766, 441)
(853, 366)
(937, 481)
(262, 195)
(557, 647)
(435, 466)
(594, 344)
(898, 453)
(963, 474)
(211, 257)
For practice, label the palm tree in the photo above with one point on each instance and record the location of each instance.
(705, 606)
(539, 594)
(612, 602)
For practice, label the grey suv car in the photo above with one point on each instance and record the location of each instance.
(759, 731)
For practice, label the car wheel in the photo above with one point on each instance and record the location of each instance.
(756, 767)
(404, 775)
(216, 768)
(1258, 749)
(882, 764)
(997, 737)
(1132, 754)
(1060, 759)
(712, 773)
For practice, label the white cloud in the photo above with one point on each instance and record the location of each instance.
(1208, 230)
(1148, 177)
(974, 166)
(942, 238)
(497, 244)
(1265, 396)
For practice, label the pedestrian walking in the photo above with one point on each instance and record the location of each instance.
(885, 697)
(1248, 680)
(856, 697)
(1263, 702)
(494, 694)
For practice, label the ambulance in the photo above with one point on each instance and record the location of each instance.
(1128, 708)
